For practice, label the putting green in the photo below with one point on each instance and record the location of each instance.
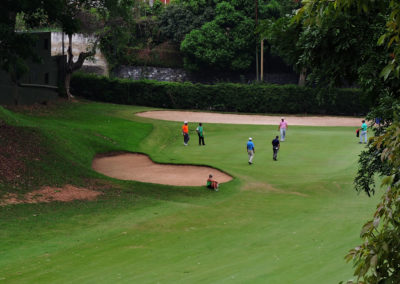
(290, 221)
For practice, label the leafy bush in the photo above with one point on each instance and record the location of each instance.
(255, 98)
(163, 55)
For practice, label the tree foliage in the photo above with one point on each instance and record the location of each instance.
(189, 22)
(222, 43)
(282, 35)
(71, 15)
(334, 51)
(179, 20)
(377, 259)
(15, 47)
(97, 17)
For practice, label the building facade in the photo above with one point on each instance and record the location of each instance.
(39, 84)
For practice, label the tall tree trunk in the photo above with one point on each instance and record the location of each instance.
(303, 77)
(68, 68)
(257, 72)
(67, 81)
(256, 19)
(262, 61)
(72, 66)
(12, 18)
(15, 94)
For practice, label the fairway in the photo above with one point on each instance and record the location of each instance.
(290, 221)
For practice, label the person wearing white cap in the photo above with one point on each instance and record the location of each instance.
(185, 132)
(282, 127)
(250, 150)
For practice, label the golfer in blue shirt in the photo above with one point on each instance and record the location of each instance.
(250, 150)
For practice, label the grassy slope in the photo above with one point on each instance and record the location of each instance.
(286, 222)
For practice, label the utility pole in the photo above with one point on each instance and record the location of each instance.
(262, 60)
(256, 18)
(62, 42)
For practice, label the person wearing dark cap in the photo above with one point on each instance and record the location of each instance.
(250, 150)
(275, 147)
(212, 183)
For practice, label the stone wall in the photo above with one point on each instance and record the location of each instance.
(152, 73)
(180, 75)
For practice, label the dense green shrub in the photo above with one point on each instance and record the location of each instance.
(163, 55)
(258, 98)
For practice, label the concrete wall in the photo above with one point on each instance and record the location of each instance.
(39, 84)
(11, 94)
(80, 43)
(44, 72)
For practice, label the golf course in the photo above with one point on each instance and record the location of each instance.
(290, 221)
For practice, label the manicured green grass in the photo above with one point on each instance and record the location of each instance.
(290, 221)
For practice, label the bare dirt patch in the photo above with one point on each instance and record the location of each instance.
(208, 117)
(139, 167)
(47, 194)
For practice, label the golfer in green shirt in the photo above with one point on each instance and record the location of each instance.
(200, 132)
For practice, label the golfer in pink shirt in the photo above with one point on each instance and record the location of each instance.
(282, 127)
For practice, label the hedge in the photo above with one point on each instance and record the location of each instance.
(254, 98)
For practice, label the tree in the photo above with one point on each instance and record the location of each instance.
(194, 20)
(71, 15)
(178, 20)
(377, 259)
(71, 22)
(15, 48)
(224, 43)
(197, 6)
(282, 36)
(335, 51)
(97, 17)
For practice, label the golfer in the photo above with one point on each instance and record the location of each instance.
(363, 132)
(185, 132)
(250, 150)
(275, 147)
(200, 132)
(282, 128)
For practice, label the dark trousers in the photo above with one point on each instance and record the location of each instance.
(201, 139)
(275, 149)
(186, 138)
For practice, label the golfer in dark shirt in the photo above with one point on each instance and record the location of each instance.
(275, 147)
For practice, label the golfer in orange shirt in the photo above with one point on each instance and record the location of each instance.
(185, 132)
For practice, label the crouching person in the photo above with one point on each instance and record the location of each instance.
(212, 183)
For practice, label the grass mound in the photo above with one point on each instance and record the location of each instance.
(19, 147)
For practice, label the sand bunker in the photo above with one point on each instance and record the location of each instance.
(139, 167)
(209, 117)
(49, 194)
